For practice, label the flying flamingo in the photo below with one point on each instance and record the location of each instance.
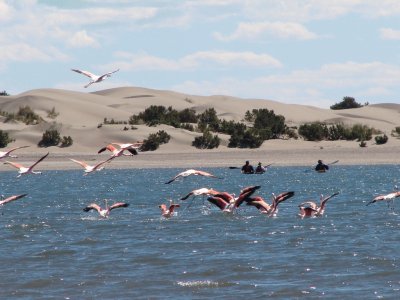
(269, 209)
(191, 172)
(168, 212)
(24, 170)
(105, 212)
(311, 209)
(201, 191)
(12, 198)
(131, 148)
(90, 168)
(8, 153)
(230, 204)
(94, 78)
(388, 197)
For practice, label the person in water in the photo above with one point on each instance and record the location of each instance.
(247, 168)
(321, 167)
(260, 169)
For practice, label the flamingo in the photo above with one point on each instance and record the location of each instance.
(26, 170)
(105, 212)
(311, 209)
(228, 203)
(94, 78)
(168, 212)
(12, 198)
(269, 209)
(191, 172)
(201, 191)
(90, 168)
(8, 153)
(132, 148)
(388, 197)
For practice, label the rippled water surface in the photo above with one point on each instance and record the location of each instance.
(51, 249)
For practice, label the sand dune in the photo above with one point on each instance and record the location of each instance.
(81, 113)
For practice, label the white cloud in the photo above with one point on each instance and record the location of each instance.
(24, 53)
(6, 11)
(389, 34)
(254, 30)
(81, 39)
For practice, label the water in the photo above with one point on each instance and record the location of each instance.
(51, 249)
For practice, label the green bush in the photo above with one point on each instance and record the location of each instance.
(25, 114)
(206, 141)
(4, 93)
(347, 102)
(381, 139)
(154, 140)
(5, 139)
(51, 137)
(314, 131)
(246, 139)
(66, 141)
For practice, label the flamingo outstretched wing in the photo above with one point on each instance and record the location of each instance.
(86, 73)
(92, 206)
(118, 205)
(12, 198)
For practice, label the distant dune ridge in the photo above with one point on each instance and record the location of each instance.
(81, 113)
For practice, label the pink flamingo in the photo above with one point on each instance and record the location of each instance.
(168, 212)
(89, 168)
(8, 153)
(94, 78)
(131, 148)
(26, 170)
(191, 172)
(311, 209)
(269, 209)
(105, 212)
(387, 197)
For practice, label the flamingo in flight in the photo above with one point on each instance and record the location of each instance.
(131, 148)
(192, 172)
(201, 191)
(94, 78)
(26, 170)
(8, 153)
(388, 197)
(105, 212)
(311, 209)
(228, 203)
(90, 168)
(269, 209)
(168, 212)
(12, 198)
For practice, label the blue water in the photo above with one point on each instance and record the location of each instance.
(51, 249)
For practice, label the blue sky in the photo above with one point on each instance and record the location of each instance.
(311, 52)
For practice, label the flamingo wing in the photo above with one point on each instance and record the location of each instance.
(16, 148)
(258, 203)
(12, 198)
(86, 73)
(81, 163)
(172, 207)
(102, 163)
(118, 205)
(310, 204)
(92, 206)
(173, 179)
(133, 151)
(15, 165)
(323, 202)
(40, 159)
(218, 201)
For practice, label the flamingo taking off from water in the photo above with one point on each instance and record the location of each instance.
(89, 168)
(26, 170)
(12, 198)
(131, 148)
(8, 153)
(168, 212)
(388, 197)
(192, 172)
(94, 78)
(201, 191)
(311, 209)
(228, 203)
(105, 212)
(269, 209)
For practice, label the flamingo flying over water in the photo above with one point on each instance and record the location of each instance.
(105, 212)
(191, 172)
(8, 153)
(388, 197)
(311, 209)
(26, 170)
(89, 168)
(269, 209)
(12, 198)
(131, 148)
(199, 192)
(94, 78)
(228, 203)
(168, 212)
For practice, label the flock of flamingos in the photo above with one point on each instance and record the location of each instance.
(225, 201)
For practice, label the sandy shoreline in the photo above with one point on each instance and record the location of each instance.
(304, 154)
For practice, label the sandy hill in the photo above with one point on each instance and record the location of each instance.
(81, 113)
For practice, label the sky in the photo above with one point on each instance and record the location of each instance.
(308, 52)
